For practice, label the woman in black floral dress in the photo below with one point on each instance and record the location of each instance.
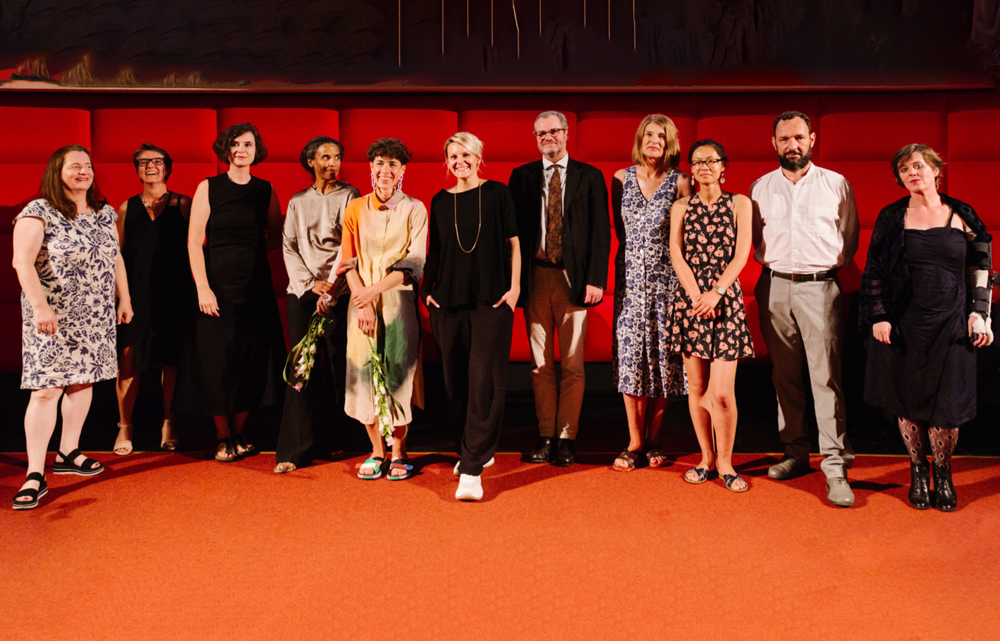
(710, 238)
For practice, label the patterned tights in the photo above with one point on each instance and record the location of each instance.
(915, 436)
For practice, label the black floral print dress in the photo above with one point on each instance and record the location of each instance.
(709, 244)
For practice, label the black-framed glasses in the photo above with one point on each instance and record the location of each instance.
(156, 162)
(711, 164)
(550, 132)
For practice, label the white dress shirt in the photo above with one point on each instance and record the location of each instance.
(805, 227)
(547, 169)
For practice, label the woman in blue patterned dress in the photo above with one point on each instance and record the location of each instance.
(67, 261)
(646, 371)
(710, 239)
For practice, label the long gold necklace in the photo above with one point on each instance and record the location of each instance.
(457, 235)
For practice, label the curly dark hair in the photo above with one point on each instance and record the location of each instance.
(389, 148)
(168, 163)
(309, 151)
(224, 143)
(708, 142)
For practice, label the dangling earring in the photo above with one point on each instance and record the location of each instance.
(722, 179)
(373, 182)
(399, 185)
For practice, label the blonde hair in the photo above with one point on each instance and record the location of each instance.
(467, 140)
(931, 157)
(671, 155)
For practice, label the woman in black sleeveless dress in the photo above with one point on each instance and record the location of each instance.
(232, 355)
(152, 227)
(925, 320)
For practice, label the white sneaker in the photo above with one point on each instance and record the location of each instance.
(485, 465)
(470, 488)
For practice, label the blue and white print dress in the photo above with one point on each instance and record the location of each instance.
(643, 359)
(76, 266)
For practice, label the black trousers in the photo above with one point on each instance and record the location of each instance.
(314, 415)
(475, 352)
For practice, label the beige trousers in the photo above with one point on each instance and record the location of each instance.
(803, 326)
(549, 312)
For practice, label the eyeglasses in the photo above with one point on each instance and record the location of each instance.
(550, 132)
(156, 162)
(711, 164)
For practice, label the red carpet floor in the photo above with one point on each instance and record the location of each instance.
(176, 547)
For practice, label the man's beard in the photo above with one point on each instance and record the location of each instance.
(795, 164)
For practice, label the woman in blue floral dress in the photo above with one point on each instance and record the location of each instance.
(645, 368)
(67, 261)
(710, 238)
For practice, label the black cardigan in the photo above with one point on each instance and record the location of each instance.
(887, 274)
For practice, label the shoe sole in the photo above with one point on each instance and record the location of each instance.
(30, 505)
(76, 470)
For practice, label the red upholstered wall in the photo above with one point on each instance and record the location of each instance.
(857, 135)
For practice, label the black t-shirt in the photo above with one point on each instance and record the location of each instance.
(483, 274)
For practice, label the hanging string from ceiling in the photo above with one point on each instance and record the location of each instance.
(634, 41)
(517, 27)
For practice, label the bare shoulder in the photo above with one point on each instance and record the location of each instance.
(739, 200)
(620, 176)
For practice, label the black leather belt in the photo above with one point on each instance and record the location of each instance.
(538, 262)
(829, 274)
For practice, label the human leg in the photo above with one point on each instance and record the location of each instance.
(655, 408)
(722, 383)
(39, 424)
(453, 334)
(75, 406)
(943, 441)
(817, 308)
(168, 380)
(700, 405)
(486, 374)
(243, 448)
(781, 335)
(126, 390)
(225, 450)
(571, 324)
(540, 322)
(295, 435)
(915, 438)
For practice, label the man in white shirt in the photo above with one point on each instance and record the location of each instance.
(805, 230)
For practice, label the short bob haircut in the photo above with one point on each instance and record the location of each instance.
(224, 143)
(792, 115)
(931, 157)
(467, 140)
(53, 189)
(309, 151)
(671, 155)
(389, 148)
(168, 163)
(708, 142)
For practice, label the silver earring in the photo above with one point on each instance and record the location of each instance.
(399, 185)
(373, 182)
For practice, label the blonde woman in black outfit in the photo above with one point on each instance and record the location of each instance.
(471, 285)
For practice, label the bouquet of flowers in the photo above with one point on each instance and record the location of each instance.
(385, 404)
(301, 359)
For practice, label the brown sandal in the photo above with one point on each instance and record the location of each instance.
(630, 457)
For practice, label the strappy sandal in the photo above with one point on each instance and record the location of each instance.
(730, 481)
(656, 452)
(43, 489)
(123, 444)
(400, 464)
(701, 474)
(243, 448)
(168, 441)
(284, 467)
(66, 466)
(227, 455)
(630, 457)
(377, 470)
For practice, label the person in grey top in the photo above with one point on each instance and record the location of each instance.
(311, 249)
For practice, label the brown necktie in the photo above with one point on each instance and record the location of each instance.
(553, 212)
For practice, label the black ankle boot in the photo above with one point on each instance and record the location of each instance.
(944, 491)
(920, 485)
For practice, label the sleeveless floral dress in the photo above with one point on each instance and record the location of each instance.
(709, 244)
(643, 360)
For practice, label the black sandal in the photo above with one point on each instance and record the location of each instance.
(243, 448)
(67, 466)
(43, 489)
(401, 464)
(229, 454)
(730, 481)
(630, 457)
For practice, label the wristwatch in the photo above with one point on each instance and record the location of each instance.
(721, 291)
